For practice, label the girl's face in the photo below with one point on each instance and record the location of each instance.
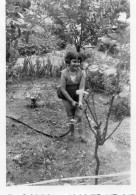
(74, 64)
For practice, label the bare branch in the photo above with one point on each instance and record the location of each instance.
(115, 128)
(94, 108)
(107, 120)
(91, 112)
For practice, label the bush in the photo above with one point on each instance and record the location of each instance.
(111, 85)
(120, 108)
(95, 81)
(98, 81)
(11, 74)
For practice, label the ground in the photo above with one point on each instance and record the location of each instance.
(33, 157)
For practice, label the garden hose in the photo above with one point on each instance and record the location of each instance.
(45, 134)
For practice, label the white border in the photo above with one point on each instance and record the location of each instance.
(27, 190)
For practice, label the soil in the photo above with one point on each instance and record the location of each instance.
(33, 157)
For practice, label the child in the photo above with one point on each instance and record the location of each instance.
(72, 79)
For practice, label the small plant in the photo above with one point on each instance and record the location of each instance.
(100, 129)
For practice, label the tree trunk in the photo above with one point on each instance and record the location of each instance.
(97, 161)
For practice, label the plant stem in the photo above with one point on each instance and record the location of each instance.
(89, 124)
(94, 108)
(97, 161)
(91, 112)
(107, 120)
(115, 129)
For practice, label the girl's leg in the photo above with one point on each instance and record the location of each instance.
(80, 131)
(69, 111)
(78, 116)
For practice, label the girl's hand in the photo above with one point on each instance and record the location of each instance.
(74, 103)
(80, 104)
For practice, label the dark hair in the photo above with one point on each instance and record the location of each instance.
(72, 55)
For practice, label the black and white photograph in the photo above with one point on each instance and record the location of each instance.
(68, 94)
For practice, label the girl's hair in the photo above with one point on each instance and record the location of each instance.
(72, 55)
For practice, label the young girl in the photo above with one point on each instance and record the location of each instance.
(72, 79)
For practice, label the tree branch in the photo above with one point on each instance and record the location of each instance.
(115, 128)
(94, 108)
(107, 120)
(91, 111)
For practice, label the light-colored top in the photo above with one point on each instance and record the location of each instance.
(72, 78)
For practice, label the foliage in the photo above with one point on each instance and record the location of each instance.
(95, 81)
(29, 67)
(26, 30)
(81, 22)
(120, 108)
(77, 22)
(69, 20)
(124, 56)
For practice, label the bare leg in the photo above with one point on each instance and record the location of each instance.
(68, 108)
(80, 131)
(78, 116)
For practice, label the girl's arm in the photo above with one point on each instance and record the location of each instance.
(82, 86)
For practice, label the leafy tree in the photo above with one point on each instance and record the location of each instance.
(26, 29)
(69, 18)
(81, 21)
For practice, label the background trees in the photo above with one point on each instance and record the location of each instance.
(82, 22)
(49, 24)
(28, 30)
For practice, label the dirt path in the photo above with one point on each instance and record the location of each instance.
(32, 157)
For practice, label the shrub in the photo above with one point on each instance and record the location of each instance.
(95, 81)
(120, 108)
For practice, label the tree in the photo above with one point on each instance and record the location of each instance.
(113, 88)
(71, 17)
(27, 29)
(82, 21)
